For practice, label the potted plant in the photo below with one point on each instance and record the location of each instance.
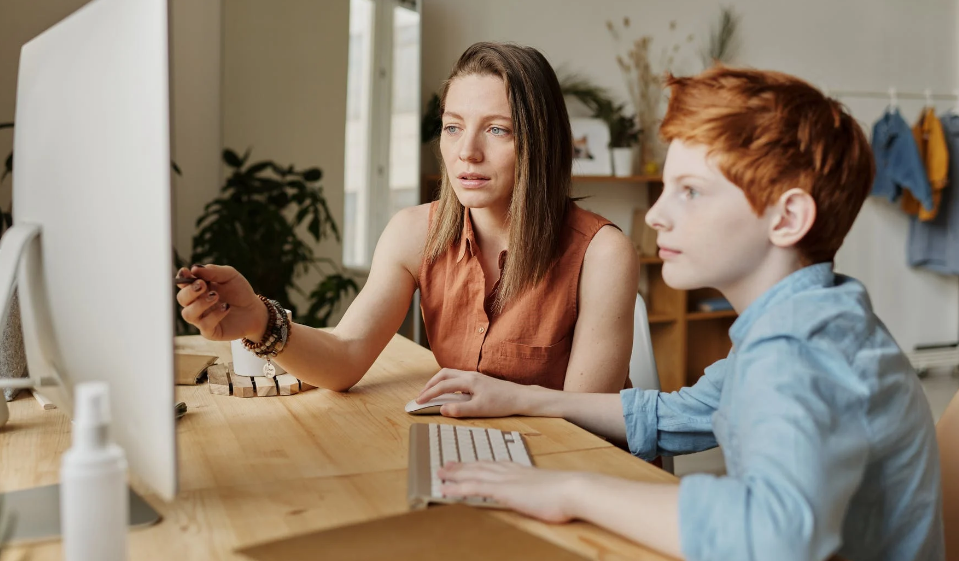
(255, 226)
(623, 132)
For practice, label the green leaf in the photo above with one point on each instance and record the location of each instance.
(231, 159)
(176, 168)
(313, 174)
(314, 227)
(257, 168)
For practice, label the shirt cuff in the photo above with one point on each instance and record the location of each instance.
(639, 412)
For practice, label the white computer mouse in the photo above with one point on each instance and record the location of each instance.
(432, 407)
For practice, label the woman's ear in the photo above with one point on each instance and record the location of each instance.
(795, 214)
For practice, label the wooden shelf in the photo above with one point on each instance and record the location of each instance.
(698, 316)
(595, 178)
(661, 318)
(650, 260)
(614, 179)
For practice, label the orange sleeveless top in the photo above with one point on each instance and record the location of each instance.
(528, 342)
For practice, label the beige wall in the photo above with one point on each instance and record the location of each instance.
(196, 146)
(284, 89)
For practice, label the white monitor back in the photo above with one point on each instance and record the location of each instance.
(92, 169)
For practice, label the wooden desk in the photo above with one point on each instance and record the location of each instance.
(265, 468)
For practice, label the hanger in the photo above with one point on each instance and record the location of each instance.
(893, 101)
(928, 93)
(955, 108)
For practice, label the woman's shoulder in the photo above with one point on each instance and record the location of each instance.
(405, 235)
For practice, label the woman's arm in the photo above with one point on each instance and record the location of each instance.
(337, 359)
(603, 336)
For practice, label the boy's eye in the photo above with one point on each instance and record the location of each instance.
(690, 193)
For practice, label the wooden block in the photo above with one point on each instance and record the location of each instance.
(242, 385)
(288, 384)
(304, 386)
(219, 375)
(265, 387)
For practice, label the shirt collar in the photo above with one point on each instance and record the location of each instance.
(814, 276)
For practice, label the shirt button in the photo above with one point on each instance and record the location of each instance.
(481, 330)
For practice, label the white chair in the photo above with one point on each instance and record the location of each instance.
(642, 362)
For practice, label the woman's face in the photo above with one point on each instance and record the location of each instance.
(477, 142)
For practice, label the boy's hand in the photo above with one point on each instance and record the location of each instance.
(540, 493)
(491, 397)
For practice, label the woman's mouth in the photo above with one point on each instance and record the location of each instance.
(472, 180)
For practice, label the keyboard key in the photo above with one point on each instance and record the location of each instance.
(517, 451)
(481, 441)
(448, 444)
(500, 452)
(464, 442)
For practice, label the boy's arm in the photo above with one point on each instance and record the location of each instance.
(651, 422)
(796, 450)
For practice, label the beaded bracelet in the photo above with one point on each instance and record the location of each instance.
(274, 339)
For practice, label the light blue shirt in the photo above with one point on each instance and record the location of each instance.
(828, 439)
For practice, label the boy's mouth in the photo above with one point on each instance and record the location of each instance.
(667, 252)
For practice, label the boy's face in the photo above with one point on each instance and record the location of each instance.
(708, 234)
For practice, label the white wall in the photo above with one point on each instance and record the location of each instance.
(852, 44)
(284, 90)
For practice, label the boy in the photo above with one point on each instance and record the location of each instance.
(828, 439)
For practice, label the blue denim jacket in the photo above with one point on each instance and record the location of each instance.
(898, 165)
(828, 438)
(934, 245)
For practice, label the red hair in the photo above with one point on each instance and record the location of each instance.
(771, 132)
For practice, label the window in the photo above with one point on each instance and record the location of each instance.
(383, 120)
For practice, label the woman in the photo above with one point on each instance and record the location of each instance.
(516, 281)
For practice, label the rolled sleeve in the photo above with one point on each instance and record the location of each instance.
(659, 423)
(639, 412)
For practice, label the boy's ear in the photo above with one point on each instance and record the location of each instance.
(795, 213)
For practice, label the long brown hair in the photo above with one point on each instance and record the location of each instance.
(544, 160)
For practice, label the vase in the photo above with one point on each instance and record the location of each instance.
(622, 161)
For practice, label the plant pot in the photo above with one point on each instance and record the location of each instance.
(622, 161)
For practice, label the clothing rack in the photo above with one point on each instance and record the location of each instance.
(929, 356)
(894, 96)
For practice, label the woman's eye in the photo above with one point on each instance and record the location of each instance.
(451, 129)
(498, 131)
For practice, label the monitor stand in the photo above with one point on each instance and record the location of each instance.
(34, 514)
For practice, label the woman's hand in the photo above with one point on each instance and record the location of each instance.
(221, 304)
(491, 397)
(540, 493)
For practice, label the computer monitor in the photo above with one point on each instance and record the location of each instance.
(92, 235)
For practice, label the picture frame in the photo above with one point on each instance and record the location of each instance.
(591, 147)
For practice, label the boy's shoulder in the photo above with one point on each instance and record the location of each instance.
(840, 312)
